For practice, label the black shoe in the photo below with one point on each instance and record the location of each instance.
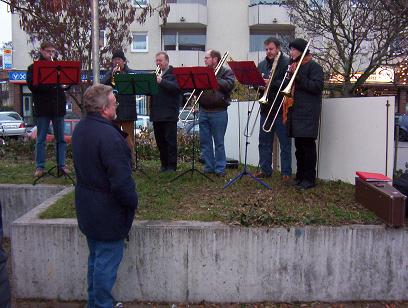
(221, 174)
(306, 185)
(169, 170)
(163, 169)
(296, 182)
(262, 175)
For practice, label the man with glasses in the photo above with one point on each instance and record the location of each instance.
(48, 105)
(214, 117)
(105, 193)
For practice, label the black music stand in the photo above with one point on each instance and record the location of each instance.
(199, 78)
(247, 74)
(136, 84)
(56, 73)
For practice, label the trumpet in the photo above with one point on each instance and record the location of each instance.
(287, 92)
(217, 68)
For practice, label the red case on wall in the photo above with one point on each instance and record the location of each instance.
(383, 199)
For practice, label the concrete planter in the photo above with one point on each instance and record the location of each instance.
(194, 261)
(16, 200)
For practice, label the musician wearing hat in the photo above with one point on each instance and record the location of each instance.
(302, 111)
(273, 66)
(126, 110)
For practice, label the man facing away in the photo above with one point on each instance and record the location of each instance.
(126, 111)
(105, 193)
(164, 110)
(265, 147)
(214, 117)
(48, 105)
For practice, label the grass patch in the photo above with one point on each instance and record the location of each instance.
(244, 203)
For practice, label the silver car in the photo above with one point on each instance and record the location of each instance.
(11, 124)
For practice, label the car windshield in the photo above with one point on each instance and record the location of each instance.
(9, 117)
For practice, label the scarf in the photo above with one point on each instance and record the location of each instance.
(289, 101)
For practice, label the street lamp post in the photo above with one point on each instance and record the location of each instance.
(95, 40)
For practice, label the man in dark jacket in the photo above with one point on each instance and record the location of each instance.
(5, 294)
(304, 112)
(105, 193)
(48, 105)
(164, 110)
(214, 117)
(272, 48)
(126, 111)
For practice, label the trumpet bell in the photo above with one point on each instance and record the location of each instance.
(263, 100)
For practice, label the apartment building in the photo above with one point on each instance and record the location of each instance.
(193, 26)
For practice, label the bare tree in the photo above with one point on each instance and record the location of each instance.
(351, 36)
(67, 23)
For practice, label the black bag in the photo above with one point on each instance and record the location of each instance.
(401, 184)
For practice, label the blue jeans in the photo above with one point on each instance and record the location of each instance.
(60, 144)
(212, 130)
(265, 146)
(103, 263)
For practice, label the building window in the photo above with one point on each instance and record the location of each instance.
(184, 40)
(139, 42)
(140, 3)
(257, 38)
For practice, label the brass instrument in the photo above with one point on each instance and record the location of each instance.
(217, 68)
(264, 98)
(287, 91)
(114, 74)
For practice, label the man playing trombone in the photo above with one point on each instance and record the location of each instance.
(273, 69)
(164, 111)
(302, 108)
(214, 117)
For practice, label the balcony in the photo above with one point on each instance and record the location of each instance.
(186, 57)
(269, 16)
(190, 13)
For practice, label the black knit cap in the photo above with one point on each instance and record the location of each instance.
(298, 44)
(118, 54)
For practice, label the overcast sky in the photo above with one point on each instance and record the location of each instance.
(5, 24)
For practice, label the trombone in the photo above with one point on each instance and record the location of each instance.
(286, 92)
(217, 68)
(264, 98)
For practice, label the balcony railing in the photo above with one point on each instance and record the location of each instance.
(187, 12)
(266, 14)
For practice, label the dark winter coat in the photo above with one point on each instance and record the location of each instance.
(5, 292)
(265, 67)
(105, 193)
(126, 110)
(219, 99)
(48, 100)
(165, 104)
(304, 115)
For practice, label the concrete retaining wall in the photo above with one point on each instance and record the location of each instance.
(192, 261)
(16, 200)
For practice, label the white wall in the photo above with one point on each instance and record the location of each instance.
(353, 137)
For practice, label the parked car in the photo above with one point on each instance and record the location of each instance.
(69, 126)
(186, 117)
(402, 121)
(142, 122)
(12, 125)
